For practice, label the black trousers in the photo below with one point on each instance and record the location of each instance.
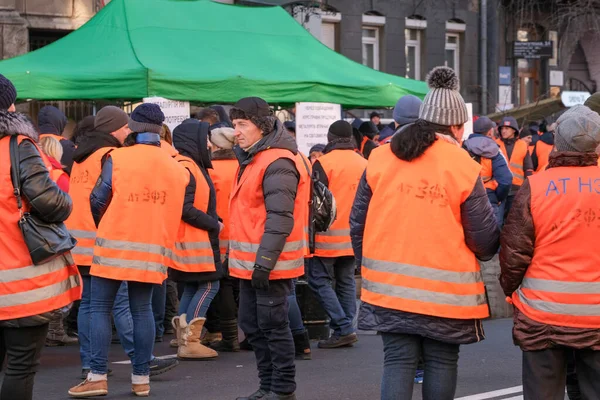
(264, 319)
(22, 348)
(172, 306)
(545, 372)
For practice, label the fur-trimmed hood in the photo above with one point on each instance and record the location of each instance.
(223, 154)
(13, 123)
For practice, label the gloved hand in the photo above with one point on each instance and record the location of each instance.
(260, 278)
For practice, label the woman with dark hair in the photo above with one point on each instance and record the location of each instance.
(422, 285)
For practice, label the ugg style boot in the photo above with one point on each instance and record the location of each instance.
(191, 348)
(302, 345)
(229, 343)
(178, 331)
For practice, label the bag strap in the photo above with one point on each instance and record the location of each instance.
(15, 173)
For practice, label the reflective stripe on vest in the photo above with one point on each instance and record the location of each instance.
(137, 233)
(418, 261)
(248, 217)
(193, 251)
(517, 158)
(80, 223)
(27, 289)
(343, 168)
(562, 283)
(223, 176)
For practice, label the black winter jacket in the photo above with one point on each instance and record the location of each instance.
(52, 120)
(191, 140)
(481, 236)
(279, 186)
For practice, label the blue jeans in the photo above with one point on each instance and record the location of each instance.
(196, 298)
(340, 304)
(159, 304)
(121, 314)
(103, 296)
(295, 316)
(401, 356)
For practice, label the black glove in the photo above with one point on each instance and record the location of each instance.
(260, 278)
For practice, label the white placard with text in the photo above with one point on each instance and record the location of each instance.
(312, 123)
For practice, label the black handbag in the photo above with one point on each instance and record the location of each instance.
(44, 241)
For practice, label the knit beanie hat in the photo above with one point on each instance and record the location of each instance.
(593, 102)
(443, 104)
(407, 109)
(317, 147)
(146, 117)
(339, 130)
(223, 137)
(578, 130)
(8, 93)
(110, 119)
(256, 110)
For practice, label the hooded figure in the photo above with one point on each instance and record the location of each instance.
(52, 122)
(223, 116)
(364, 138)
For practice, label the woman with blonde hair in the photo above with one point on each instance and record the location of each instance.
(53, 151)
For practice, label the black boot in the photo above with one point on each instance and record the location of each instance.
(245, 345)
(259, 394)
(229, 343)
(276, 396)
(302, 345)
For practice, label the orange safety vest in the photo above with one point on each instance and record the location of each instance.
(516, 160)
(137, 233)
(562, 284)
(28, 289)
(81, 223)
(193, 251)
(415, 258)
(223, 177)
(487, 174)
(344, 170)
(543, 150)
(248, 215)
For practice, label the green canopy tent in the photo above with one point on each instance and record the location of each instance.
(202, 51)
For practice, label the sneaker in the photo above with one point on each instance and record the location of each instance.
(89, 388)
(419, 376)
(65, 340)
(259, 394)
(338, 341)
(159, 366)
(141, 390)
(86, 371)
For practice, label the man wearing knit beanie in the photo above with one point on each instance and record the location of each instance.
(550, 234)
(406, 112)
(8, 94)
(112, 120)
(340, 169)
(266, 215)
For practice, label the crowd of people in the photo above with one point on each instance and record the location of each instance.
(206, 229)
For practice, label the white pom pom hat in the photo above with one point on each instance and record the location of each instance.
(443, 104)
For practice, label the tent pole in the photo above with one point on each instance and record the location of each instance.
(93, 108)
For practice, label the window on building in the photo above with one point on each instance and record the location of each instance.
(452, 56)
(39, 38)
(329, 29)
(413, 53)
(370, 47)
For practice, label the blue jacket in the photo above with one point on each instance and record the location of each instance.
(485, 147)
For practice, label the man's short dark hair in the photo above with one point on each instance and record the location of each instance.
(208, 115)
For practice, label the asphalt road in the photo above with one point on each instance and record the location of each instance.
(493, 365)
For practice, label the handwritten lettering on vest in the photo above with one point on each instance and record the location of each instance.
(147, 196)
(566, 185)
(81, 177)
(425, 191)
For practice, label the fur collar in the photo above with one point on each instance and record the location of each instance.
(224, 154)
(13, 123)
(572, 159)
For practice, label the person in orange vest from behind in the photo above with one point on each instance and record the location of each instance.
(549, 263)
(52, 123)
(364, 138)
(340, 169)
(516, 153)
(267, 240)
(540, 154)
(32, 295)
(420, 220)
(53, 151)
(137, 205)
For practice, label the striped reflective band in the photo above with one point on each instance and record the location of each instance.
(224, 243)
(333, 246)
(40, 294)
(192, 245)
(582, 310)
(193, 259)
(545, 285)
(422, 272)
(401, 292)
(280, 266)
(134, 264)
(132, 246)
(82, 234)
(32, 271)
(83, 251)
(253, 248)
(335, 232)
(516, 166)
